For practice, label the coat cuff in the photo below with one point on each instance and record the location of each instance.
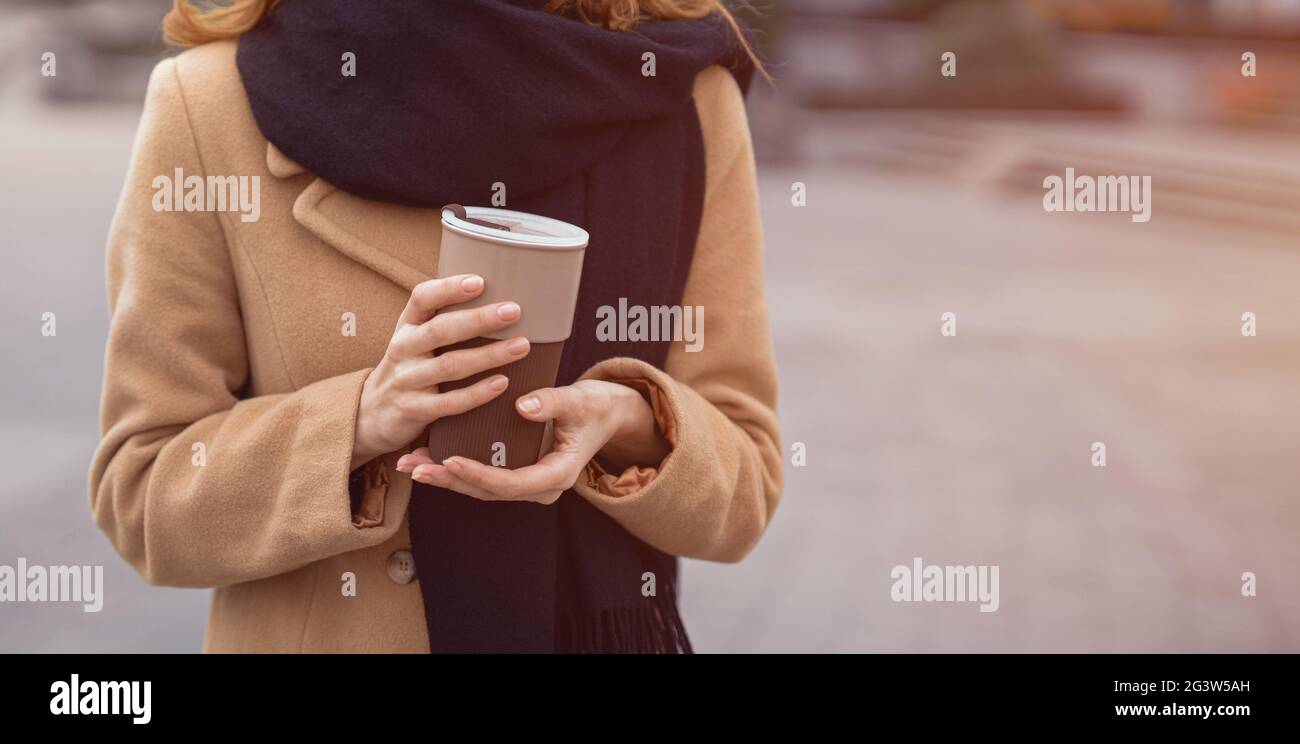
(656, 388)
(636, 477)
(367, 490)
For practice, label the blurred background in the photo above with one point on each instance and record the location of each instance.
(924, 196)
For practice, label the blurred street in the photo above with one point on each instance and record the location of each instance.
(975, 449)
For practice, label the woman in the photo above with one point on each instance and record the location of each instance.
(262, 418)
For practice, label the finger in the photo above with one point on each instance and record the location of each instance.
(438, 475)
(452, 327)
(433, 406)
(443, 477)
(429, 296)
(421, 373)
(545, 404)
(408, 462)
(557, 471)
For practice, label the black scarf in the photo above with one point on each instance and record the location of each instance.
(449, 98)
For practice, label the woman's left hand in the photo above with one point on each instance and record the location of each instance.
(590, 417)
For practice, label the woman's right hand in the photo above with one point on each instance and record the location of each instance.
(400, 397)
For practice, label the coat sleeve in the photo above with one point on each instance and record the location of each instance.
(193, 483)
(714, 494)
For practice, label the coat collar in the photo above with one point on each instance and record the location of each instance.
(395, 241)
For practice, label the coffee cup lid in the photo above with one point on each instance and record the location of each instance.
(513, 228)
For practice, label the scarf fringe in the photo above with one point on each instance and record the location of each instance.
(652, 627)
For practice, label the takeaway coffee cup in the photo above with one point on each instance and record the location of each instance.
(534, 261)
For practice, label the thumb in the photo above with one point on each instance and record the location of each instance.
(543, 405)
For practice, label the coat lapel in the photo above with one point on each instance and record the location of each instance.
(398, 242)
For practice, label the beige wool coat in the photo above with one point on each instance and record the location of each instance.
(231, 391)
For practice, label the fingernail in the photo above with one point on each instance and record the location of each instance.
(508, 311)
(530, 405)
(498, 383)
(471, 283)
(517, 346)
(449, 463)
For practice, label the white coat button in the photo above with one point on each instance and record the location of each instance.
(401, 567)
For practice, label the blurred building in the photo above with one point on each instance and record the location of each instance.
(104, 48)
(1169, 58)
